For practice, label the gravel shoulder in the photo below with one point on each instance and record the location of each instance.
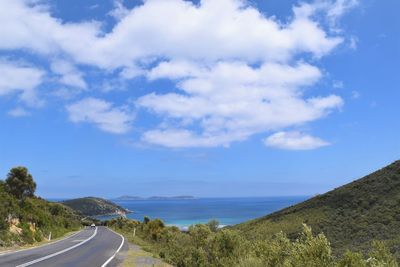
(137, 257)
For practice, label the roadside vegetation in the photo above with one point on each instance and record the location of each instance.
(206, 245)
(345, 222)
(26, 218)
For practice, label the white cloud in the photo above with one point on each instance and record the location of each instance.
(119, 11)
(294, 141)
(353, 42)
(18, 78)
(235, 71)
(18, 112)
(213, 31)
(338, 84)
(339, 7)
(181, 138)
(232, 101)
(102, 114)
(29, 25)
(69, 75)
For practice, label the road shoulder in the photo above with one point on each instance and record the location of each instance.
(137, 257)
(45, 242)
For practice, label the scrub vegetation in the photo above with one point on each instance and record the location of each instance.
(94, 206)
(205, 245)
(350, 216)
(354, 225)
(25, 218)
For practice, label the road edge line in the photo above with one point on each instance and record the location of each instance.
(116, 252)
(58, 252)
(6, 253)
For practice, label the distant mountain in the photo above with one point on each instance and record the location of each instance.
(93, 206)
(175, 197)
(351, 216)
(127, 197)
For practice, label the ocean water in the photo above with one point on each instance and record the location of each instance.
(185, 212)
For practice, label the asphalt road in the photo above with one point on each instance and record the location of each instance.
(98, 247)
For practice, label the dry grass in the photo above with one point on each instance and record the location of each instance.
(136, 257)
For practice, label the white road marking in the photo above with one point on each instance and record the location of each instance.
(116, 252)
(59, 252)
(47, 244)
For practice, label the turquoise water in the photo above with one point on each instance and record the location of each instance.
(185, 212)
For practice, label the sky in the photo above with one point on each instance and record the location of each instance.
(227, 98)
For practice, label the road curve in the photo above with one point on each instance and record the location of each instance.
(88, 248)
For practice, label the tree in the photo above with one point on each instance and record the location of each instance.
(20, 183)
(213, 225)
(146, 220)
(155, 228)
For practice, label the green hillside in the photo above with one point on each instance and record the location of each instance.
(25, 218)
(350, 216)
(94, 206)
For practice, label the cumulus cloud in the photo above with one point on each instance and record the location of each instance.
(212, 31)
(102, 114)
(294, 141)
(68, 73)
(235, 71)
(232, 101)
(16, 77)
(337, 8)
(181, 138)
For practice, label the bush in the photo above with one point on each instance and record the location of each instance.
(202, 247)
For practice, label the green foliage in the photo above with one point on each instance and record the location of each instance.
(94, 206)
(350, 216)
(213, 225)
(201, 247)
(311, 251)
(199, 234)
(28, 219)
(381, 256)
(154, 229)
(19, 183)
(352, 259)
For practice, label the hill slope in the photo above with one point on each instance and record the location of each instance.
(32, 219)
(93, 206)
(351, 216)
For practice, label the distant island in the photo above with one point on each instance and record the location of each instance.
(175, 197)
(94, 206)
(127, 197)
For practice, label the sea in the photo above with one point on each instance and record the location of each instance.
(185, 212)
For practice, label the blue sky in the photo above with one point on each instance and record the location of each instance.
(209, 98)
